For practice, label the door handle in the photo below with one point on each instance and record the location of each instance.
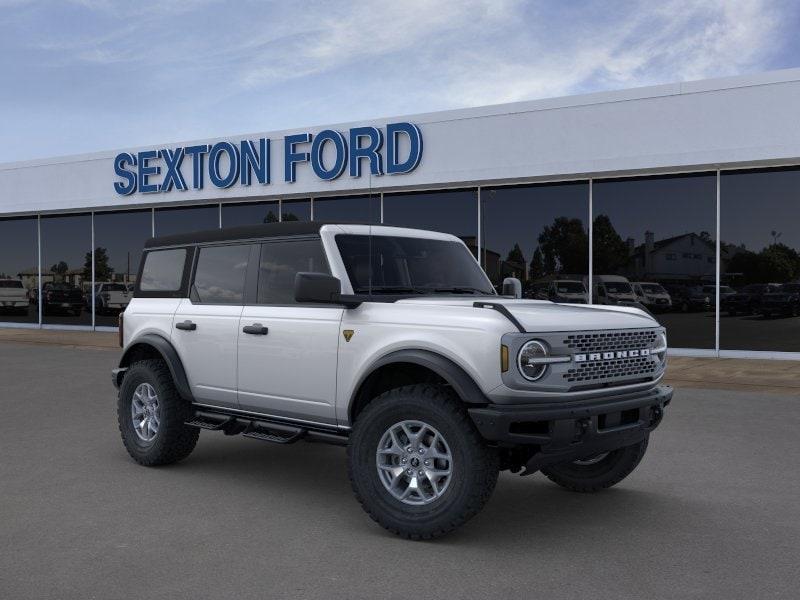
(255, 329)
(186, 326)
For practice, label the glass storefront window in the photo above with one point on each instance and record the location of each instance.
(19, 270)
(249, 213)
(538, 234)
(118, 238)
(654, 245)
(66, 269)
(760, 260)
(296, 210)
(451, 211)
(351, 209)
(169, 221)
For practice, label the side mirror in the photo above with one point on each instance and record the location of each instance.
(512, 287)
(320, 288)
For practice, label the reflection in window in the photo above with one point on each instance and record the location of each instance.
(19, 270)
(170, 221)
(249, 213)
(760, 260)
(119, 238)
(66, 269)
(296, 210)
(163, 270)
(453, 212)
(280, 262)
(353, 209)
(538, 234)
(219, 277)
(659, 230)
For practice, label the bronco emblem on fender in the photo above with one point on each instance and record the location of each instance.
(347, 333)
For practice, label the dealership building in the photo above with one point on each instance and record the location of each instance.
(687, 193)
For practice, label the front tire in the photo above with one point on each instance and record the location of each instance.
(152, 415)
(417, 464)
(596, 473)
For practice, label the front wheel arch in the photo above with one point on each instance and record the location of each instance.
(154, 346)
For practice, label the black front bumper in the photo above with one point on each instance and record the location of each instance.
(560, 432)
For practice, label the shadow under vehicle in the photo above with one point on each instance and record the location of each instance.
(13, 297)
(783, 302)
(652, 295)
(748, 300)
(691, 298)
(61, 297)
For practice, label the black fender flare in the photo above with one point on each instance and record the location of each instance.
(168, 354)
(461, 382)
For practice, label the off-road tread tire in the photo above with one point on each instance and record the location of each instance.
(175, 440)
(440, 407)
(594, 478)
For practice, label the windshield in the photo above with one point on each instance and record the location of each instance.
(618, 287)
(653, 288)
(570, 287)
(402, 265)
(10, 284)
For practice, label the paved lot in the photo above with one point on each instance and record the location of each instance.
(712, 512)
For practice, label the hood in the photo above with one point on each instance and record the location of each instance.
(545, 316)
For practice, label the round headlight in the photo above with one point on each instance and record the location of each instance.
(526, 360)
(659, 348)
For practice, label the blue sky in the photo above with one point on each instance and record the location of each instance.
(87, 75)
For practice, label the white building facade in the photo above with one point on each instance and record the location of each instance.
(538, 189)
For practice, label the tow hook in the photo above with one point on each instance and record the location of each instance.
(581, 425)
(656, 414)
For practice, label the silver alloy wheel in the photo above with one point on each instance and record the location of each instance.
(145, 412)
(591, 460)
(414, 462)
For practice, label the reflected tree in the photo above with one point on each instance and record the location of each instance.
(564, 246)
(102, 270)
(610, 250)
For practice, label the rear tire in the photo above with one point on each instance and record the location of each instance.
(597, 473)
(154, 430)
(379, 462)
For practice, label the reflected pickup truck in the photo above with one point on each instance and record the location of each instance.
(393, 343)
(13, 296)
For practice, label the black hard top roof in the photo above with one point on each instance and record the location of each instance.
(247, 232)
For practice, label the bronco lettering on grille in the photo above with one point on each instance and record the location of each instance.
(595, 356)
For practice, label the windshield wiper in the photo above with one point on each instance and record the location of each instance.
(388, 289)
(462, 290)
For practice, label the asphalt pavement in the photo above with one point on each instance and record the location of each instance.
(713, 511)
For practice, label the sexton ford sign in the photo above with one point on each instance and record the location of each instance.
(225, 164)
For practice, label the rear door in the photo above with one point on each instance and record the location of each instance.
(205, 328)
(288, 351)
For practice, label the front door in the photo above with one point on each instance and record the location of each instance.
(288, 351)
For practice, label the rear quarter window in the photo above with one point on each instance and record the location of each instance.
(163, 270)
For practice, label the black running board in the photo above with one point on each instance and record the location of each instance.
(259, 428)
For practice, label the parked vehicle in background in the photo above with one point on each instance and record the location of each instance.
(567, 291)
(61, 297)
(725, 292)
(13, 296)
(691, 298)
(652, 295)
(110, 297)
(613, 290)
(748, 300)
(785, 301)
(392, 342)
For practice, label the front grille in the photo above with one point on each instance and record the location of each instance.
(611, 369)
(606, 341)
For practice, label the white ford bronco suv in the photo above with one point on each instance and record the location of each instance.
(393, 343)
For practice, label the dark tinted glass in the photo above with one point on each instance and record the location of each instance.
(401, 265)
(163, 270)
(249, 213)
(538, 234)
(19, 266)
(659, 230)
(171, 221)
(280, 262)
(220, 274)
(353, 209)
(760, 234)
(453, 212)
(119, 238)
(66, 269)
(296, 210)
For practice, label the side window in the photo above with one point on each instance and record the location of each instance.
(281, 261)
(220, 275)
(163, 270)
